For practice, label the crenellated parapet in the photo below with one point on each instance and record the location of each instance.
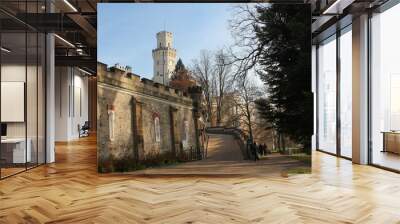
(132, 82)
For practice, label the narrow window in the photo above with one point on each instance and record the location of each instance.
(157, 129)
(111, 117)
(186, 128)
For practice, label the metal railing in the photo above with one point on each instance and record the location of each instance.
(192, 154)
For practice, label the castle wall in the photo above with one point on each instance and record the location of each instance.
(131, 105)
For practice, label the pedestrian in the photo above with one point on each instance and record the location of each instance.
(265, 149)
(255, 148)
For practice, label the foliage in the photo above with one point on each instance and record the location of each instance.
(179, 65)
(298, 170)
(129, 163)
(285, 68)
(277, 43)
(302, 157)
(181, 79)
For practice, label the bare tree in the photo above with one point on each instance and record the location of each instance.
(202, 70)
(245, 96)
(247, 49)
(223, 78)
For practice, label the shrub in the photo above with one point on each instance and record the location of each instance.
(129, 163)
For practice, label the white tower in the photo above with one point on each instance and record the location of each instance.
(164, 58)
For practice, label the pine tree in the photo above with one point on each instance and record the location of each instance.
(283, 31)
(181, 78)
(179, 65)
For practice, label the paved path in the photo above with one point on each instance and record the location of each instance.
(223, 148)
(226, 159)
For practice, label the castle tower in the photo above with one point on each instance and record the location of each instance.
(164, 58)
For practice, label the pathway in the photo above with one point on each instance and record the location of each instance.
(224, 158)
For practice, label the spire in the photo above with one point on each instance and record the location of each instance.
(165, 25)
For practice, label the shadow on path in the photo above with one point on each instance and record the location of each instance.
(225, 160)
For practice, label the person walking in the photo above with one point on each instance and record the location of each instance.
(255, 151)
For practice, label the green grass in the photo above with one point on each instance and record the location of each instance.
(298, 170)
(301, 157)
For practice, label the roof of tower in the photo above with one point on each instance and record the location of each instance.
(164, 31)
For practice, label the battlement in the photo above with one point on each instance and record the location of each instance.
(164, 33)
(122, 68)
(133, 82)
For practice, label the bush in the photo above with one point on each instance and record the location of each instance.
(151, 160)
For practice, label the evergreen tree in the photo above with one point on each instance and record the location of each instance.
(179, 65)
(181, 78)
(283, 31)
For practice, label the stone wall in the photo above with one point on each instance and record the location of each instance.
(131, 106)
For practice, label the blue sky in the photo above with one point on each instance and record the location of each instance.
(127, 32)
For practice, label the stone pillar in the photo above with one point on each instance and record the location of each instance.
(139, 130)
(134, 129)
(173, 130)
(196, 95)
(360, 90)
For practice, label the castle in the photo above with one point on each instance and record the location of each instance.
(138, 117)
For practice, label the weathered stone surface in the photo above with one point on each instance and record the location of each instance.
(135, 105)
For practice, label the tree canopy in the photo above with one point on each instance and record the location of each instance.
(181, 78)
(285, 68)
(275, 40)
(179, 65)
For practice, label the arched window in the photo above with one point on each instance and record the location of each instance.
(157, 130)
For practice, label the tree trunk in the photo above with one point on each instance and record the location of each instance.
(218, 116)
(273, 139)
(249, 120)
(279, 142)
